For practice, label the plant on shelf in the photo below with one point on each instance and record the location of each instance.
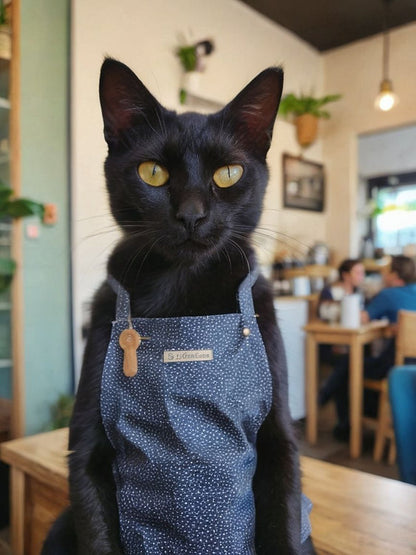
(2, 13)
(5, 38)
(61, 412)
(306, 110)
(191, 59)
(13, 208)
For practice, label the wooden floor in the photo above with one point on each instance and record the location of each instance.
(331, 450)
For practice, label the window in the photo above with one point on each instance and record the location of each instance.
(394, 216)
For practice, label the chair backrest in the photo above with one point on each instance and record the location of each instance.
(406, 336)
(402, 391)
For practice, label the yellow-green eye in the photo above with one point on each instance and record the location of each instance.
(228, 175)
(153, 174)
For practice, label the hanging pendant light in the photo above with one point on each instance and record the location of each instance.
(386, 98)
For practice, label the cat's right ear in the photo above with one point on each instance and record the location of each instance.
(125, 101)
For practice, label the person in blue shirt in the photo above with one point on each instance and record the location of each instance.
(399, 294)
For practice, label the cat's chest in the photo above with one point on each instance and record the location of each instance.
(185, 297)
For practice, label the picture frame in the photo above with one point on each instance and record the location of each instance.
(303, 183)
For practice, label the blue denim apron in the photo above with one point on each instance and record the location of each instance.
(184, 429)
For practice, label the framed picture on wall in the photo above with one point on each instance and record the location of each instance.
(303, 184)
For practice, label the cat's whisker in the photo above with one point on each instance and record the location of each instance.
(283, 237)
(146, 256)
(133, 258)
(224, 251)
(93, 217)
(241, 252)
(268, 227)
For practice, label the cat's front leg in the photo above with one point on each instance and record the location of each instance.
(276, 484)
(92, 488)
(277, 492)
(91, 525)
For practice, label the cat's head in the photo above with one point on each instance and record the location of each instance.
(186, 186)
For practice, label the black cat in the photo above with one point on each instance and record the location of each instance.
(187, 192)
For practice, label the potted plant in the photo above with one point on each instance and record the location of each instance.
(306, 111)
(191, 59)
(61, 412)
(5, 33)
(12, 208)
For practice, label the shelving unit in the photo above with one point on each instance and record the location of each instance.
(6, 231)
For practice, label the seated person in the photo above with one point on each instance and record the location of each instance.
(399, 294)
(351, 276)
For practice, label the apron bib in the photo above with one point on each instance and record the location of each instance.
(184, 429)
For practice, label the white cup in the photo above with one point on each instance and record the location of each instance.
(301, 286)
(350, 311)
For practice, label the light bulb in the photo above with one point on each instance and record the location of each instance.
(386, 99)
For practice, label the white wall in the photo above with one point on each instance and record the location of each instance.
(144, 36)
(387, 152)
(355, 72)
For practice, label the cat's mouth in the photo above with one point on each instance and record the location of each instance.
(191, 247)
(193, 243)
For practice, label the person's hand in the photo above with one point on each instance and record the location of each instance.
(391, 330)
(365, 317)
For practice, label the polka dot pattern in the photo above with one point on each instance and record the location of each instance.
(185, 432)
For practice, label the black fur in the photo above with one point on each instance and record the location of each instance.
(185, 249)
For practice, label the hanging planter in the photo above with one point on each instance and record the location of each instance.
(306, 111)
(306, 129)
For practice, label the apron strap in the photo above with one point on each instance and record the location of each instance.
(245, 297)
(123, 299)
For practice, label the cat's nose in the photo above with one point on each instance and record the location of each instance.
(190, 212)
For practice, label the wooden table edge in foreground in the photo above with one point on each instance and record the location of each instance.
(318, 333)
(353, 512)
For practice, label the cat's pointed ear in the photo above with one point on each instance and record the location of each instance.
(253, 111)
(124, 100)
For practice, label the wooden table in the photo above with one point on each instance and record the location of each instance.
(38, 487)
(353, 512)
(319, 332)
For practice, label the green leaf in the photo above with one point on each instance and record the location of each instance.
(5, 194)
(7, 269)
(21, 207)
(291, 104)
(182, 96)
(7, 266)
(3, 14)
(322, 114)
(187, 56)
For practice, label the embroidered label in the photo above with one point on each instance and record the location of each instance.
(187, 356)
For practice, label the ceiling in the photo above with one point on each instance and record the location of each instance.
(326, 24)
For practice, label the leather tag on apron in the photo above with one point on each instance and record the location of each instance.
(130, 341)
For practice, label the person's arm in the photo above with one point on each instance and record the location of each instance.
(377, 307)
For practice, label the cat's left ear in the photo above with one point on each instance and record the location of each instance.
(125, 101)
(253, 111)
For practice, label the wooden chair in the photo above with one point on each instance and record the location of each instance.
(405, 348)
